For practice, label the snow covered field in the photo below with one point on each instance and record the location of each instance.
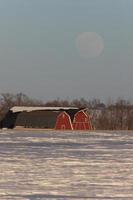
(68, 165)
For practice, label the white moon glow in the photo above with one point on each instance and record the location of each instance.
(89, 44)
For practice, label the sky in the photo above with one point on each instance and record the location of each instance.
(67, 48)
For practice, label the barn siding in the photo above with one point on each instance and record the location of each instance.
(82, 121)
(63, 122)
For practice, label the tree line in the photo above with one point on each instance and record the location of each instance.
(113, 115)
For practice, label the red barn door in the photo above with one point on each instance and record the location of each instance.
(82, 121)
(63, 122)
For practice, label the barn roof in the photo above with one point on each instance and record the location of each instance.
(30, 109)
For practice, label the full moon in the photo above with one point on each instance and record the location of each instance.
(89, 44)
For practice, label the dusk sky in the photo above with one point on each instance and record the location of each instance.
(67, 48)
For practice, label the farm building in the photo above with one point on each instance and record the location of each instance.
(82, 121)
(58, 118)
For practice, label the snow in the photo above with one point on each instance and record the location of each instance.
(29, 109)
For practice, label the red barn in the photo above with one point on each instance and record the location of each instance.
(82, 121)
(59, 118)
(63, 122)
(73, 120)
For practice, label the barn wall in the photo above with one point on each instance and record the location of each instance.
(34, 119)
(37, 119)
(63, 122)
(82, 121)
(9, 120)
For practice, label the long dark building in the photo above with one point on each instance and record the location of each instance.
(47, 118)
